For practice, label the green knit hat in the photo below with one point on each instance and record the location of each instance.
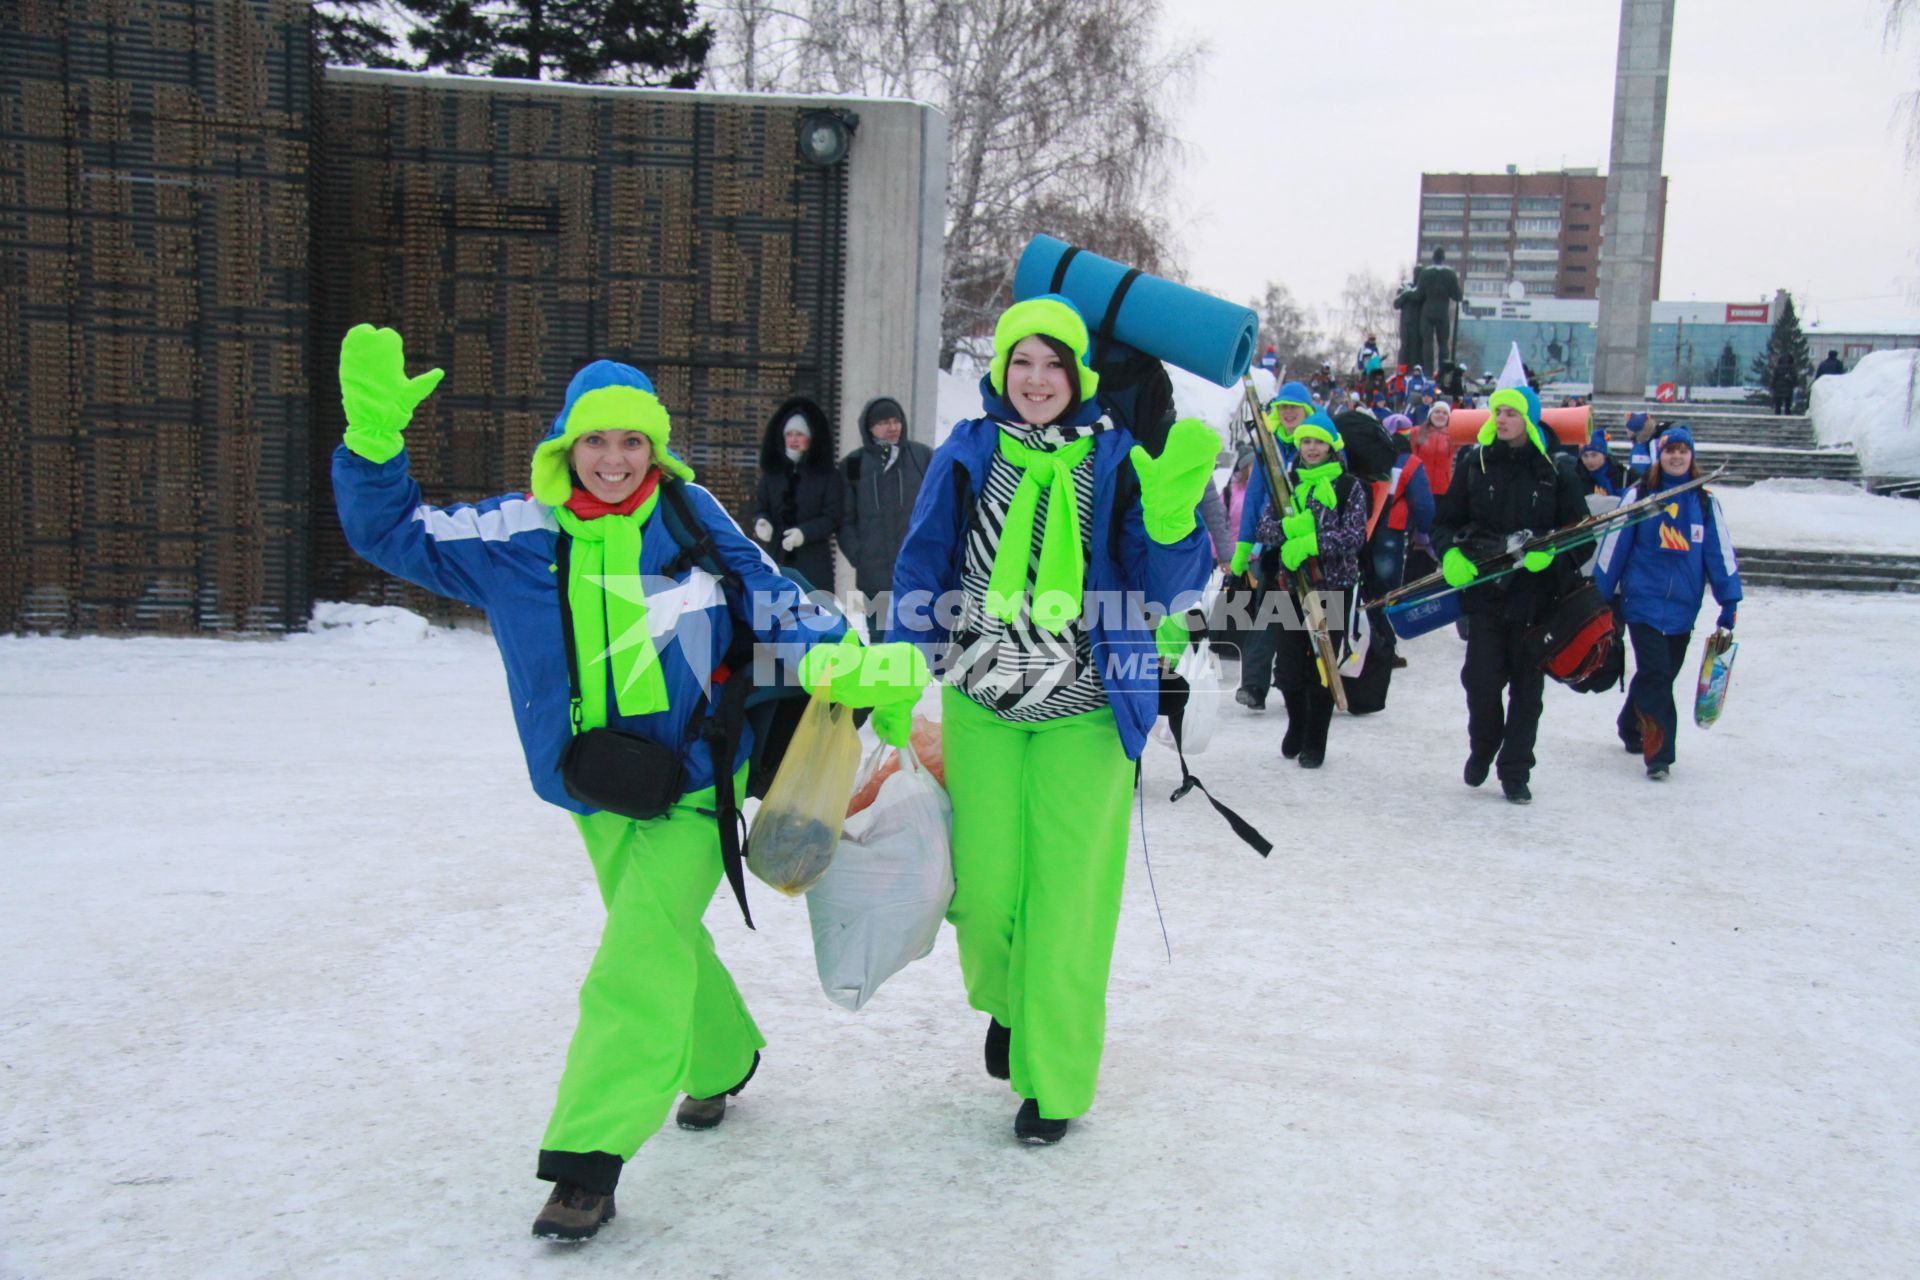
(612, 406)
(1318, 426)
(1526, 402)
(1051, 315)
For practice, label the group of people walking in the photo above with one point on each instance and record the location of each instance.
(1024, 516)
(1461, 504)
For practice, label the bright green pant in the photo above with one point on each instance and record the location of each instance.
(1040, 816)
(659, 1014)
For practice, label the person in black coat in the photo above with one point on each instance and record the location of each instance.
(1785, 378)
(799, 501)
(883, 478)
(1832, 364)
(1506, 484)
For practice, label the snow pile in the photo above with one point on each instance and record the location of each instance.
(369, 624)
(1875, 408)
(1820, 515)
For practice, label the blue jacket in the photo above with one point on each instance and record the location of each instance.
(934, 553)
(1662, 567)
(498, 555)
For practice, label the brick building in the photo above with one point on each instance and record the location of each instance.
(1539, 229)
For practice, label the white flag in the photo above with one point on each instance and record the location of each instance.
(1515, 373)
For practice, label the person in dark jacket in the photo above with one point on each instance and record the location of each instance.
(1506, 484)
(1439, 291)
(1832, 364)
(1328, 526)
(1599, 473)
(798, 503)
(883, 478)
(1786, 377)
(1661, 569)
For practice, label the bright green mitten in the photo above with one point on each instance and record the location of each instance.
(1298, 525)
(1294, 552)
(1535, 561)
(376, 392)
(1171, 485)
(1242, 553)
(856, 675)
(893, 725)
(1457, 569)
(1171, 637)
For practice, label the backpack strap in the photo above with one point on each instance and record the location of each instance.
(1176, 720)
(1103, 336)
(1060, 268)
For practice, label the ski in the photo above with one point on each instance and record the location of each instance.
(1716, 669)
(1577, 534)
(1305, 579)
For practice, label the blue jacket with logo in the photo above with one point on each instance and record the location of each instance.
(499, 555)
(934, 554)
(1662, 567)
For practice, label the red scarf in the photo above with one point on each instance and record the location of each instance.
(588, 507)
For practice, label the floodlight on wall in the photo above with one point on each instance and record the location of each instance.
(826, 136)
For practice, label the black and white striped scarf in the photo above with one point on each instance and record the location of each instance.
(1016, 670)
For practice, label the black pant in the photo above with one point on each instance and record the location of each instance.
(1782, 403)
(1648, 715)
(1296, 673)
(1495, 664)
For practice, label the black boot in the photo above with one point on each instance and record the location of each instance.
(1319, 709)
(1031, 1126)
(998, 1039)
(1478, 767)
(707, 1113)
(1296, 736)
(1516, 791)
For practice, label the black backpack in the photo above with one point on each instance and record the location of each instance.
(1371, 451)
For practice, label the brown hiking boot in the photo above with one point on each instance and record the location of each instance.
(707, 1113)
(573, 1213)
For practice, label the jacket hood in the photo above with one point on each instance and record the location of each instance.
(773, 445)
(604, 396)
(877, 408)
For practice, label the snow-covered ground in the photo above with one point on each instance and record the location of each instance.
(1820, 515)
(291, 951)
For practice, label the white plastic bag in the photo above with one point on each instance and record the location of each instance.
(1201, 669)
(879, 906)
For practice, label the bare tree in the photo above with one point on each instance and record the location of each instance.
(1899, 13)
(1057, 115)
(1366, 307)
(1287, 328)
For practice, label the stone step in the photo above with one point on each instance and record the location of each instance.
(1811, 561)
(1820, 582)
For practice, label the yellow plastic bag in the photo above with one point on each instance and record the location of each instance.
(797, 830)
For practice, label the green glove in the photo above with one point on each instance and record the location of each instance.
(1294, 551)
(1298, 525)
(893, 725)
(1457, 569)
(1171, 637)
(855, 675)
(1535, 561)
(376, 393)
(1242, 552)
(1171, 484)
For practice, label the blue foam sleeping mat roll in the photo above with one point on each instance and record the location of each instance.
(1201, 333)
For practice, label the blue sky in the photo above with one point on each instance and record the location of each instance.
(1310, 125)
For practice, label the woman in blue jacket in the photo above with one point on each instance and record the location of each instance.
(1043, 547)
(1661, 569)
(590, 554)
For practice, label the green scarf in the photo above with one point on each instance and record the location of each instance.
(605, 598)
(1058, 583)
(1317, 483)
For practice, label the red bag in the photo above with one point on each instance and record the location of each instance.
(1577, 641)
